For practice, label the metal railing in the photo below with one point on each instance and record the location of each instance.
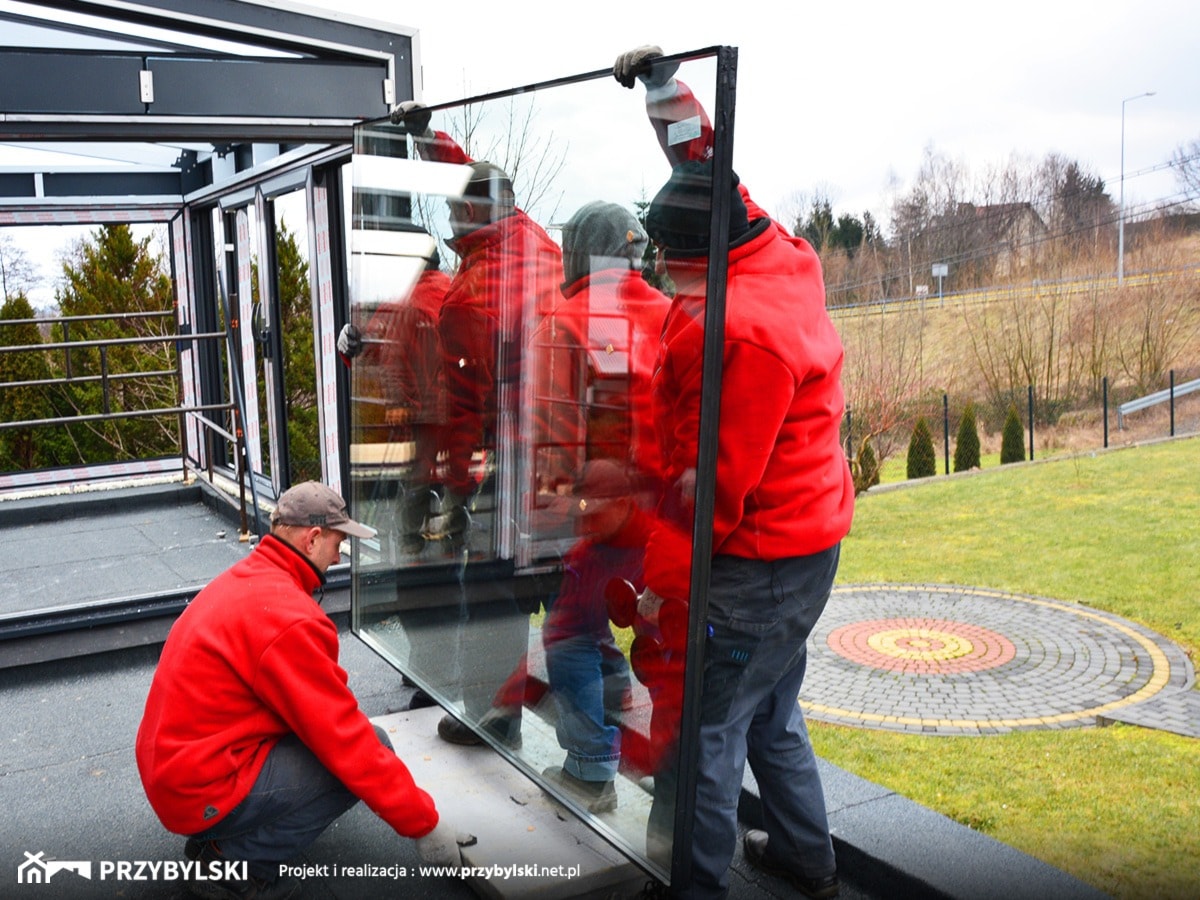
(106, 378)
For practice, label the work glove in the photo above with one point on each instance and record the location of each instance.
(686, 486)
(349, 342)
(441, 846)
(413, 116)
(648, 606)
(640, 64)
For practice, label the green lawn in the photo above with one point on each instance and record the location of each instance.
(1117, 807)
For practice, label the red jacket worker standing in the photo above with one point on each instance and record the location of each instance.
(783, 501)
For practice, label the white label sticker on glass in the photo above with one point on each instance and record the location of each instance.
(681, 132)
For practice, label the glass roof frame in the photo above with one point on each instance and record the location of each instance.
(89, 79)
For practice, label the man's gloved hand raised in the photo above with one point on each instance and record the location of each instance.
(349, 342)
(640, 63)
(441, 846)
(413, 116)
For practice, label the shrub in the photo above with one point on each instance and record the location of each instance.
(922, 459)
(966, 444)
(865, 468)
(1012, 441)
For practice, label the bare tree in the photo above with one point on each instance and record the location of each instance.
(18, 273)
(883, 373)
(1023, 341)
(1158, 319)
(928, 223)
(1075, 205)
(1186, 163)
(532, 159)
(792, 208)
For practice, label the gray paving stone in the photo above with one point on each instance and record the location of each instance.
(1069, 661)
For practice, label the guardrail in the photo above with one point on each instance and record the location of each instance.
(1165, 395)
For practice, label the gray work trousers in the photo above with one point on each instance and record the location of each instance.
(760, 615)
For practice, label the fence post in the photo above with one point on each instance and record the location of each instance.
(849, 433)
(1031, 423)
(1172, 404)
(1105, 384)
(946, 426)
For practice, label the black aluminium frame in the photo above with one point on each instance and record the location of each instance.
(300, 76)
(706, 463)
(725, 93)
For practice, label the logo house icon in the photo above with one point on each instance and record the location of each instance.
(38, 870)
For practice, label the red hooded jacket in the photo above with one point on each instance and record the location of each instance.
(508, 277)
(783, 486)
(407, 351)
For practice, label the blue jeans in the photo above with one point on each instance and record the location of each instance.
(293, 800)
(589, 680)
(760, 615)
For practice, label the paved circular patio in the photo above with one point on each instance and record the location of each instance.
(959, 660)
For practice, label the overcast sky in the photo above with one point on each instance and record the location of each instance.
(846, 97)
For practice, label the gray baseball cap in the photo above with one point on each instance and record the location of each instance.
(311, 503)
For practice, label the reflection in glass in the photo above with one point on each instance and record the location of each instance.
(297, 364)
(505, 444)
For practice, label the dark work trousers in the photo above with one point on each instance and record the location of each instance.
(293, 800)
(760, 615)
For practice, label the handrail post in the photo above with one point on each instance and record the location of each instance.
(208, 454)
(104, 380)
(66, 326)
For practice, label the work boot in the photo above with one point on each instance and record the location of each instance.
(452, 520)
(821, 888)
(501, 726)
(594, 796)
(452, 731)
(420, 700)
(251, 888)
(414, 510)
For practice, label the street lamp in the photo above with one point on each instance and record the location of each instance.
(1121, 221)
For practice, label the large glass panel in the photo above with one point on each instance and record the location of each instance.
(505, 437)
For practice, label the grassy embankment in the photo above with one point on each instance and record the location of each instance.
(1117, 807)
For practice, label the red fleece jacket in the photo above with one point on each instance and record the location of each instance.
(508, 277)
(252, 659)
(783, 486)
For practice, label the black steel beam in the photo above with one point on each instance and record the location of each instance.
(335, 73)
(111, 184)
(69, 82)
(81, 129)
(266, 88)
(72, 82)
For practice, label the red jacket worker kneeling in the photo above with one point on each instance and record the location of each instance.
(252, 742)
